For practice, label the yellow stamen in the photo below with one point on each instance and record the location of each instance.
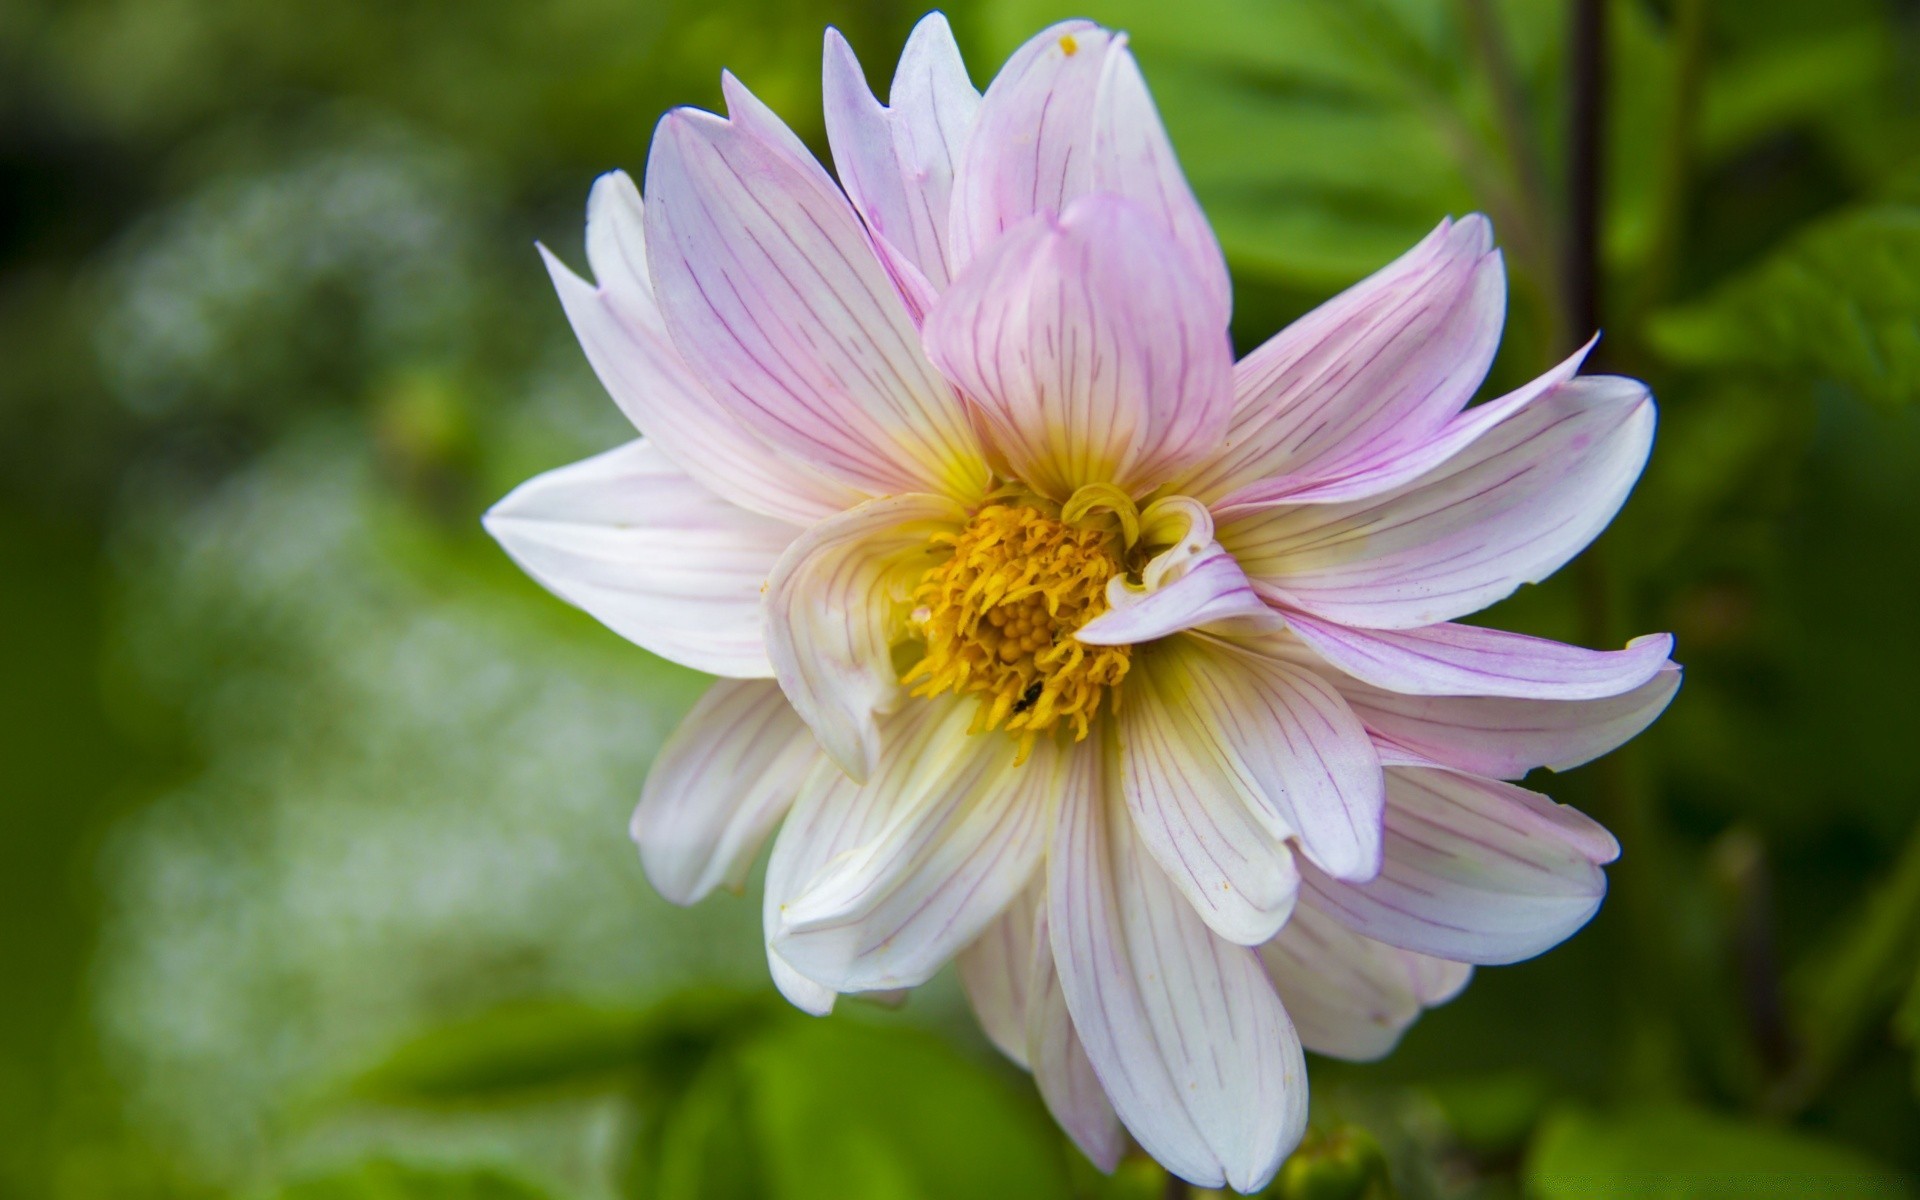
(999, 615)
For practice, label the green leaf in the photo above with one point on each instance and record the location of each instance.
(385, 1180)
(1683, 1154)
(1840, 303)
(846, 1111)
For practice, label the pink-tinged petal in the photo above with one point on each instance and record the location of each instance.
(1350, 996)
(654, 556)
(1505, 738)
(1379, 368)
(625, 338)
(1511, 508)
(718, 787)
(1189, 583)
(1189, 810)
(1082, 341)
(1470, 660)
(897, 162)
(774, 295)
(995, 970)
(1068, 115)
(1382, 471)
(832, 816)
(1030, 149)
(1285, 739)
(965, 836)
(1061, 1068)
(1183, 1028)
(1475, 870)
(835, 609)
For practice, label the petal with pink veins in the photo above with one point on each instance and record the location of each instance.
(897, 161)
(1511, 508)
(718, 787)
(965, 835)
(1471, 660)
(776, 299)
(1183, 1028)
(654, 556)
(625, 338)
(1190, 583)
(835, 607)
(1375, 371)
(1061, 1068)
(1350, 996)
(1474, 870)
(1279, 735)
(1088, 364)
(994, 973)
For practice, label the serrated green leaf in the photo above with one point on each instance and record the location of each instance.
(1685, 1154)
(1840, 303)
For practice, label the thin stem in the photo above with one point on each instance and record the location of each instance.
(1586, 175)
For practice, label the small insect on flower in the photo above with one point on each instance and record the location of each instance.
(1056, 642)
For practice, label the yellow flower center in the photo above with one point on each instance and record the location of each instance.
(999, 614)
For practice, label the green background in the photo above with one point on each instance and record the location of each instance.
(313, 874)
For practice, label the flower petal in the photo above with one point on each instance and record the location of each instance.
(1509, 509)
(966, 834)
(654, 556)
(1350, 996)
(1505, 738)
(995, 970)
(1061, 1068)
(718, 787)
(1381, 366)
(625, 338)
(1475, 870)
(1086, 343)
(835, 606)
(897, 162)
(1068, 115)
(1470, 660)
(1282, 735)
(1235, 870)
(1183, 1029)
(775, 297)
(1192, 583)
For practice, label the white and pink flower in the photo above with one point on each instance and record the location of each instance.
(1052, 639)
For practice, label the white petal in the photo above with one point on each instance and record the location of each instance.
(718, 787)
(1475, 870)
(1183, 1029)
(1509, 509)
(835, 607)
(1350, 996)
(1061, 1068)
(773, 293)
(1284, 739)
(1192, 583)
(965, 836)
(995, 969)
(659, 559)
(897, 162)
(1471, 660)
(1190, 812)
(625, 338)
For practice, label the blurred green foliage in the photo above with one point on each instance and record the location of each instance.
(315, 885)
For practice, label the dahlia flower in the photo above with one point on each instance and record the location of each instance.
(1053, 640)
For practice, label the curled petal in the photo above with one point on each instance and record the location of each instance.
(1183, 1029)
(718, 787)
(835, 607)
(1085, 342)
(660, 560)
(897, 162)
(1209, 590)
(776, 299)
(1283, 738)
(1509, 509)
(1379, 368)
(1470, 660)
(1350, 996)
(965, 836)
(1474, 870)
(625, 338)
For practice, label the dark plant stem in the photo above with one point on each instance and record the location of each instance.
(1176, 1188)
(1586, 168)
